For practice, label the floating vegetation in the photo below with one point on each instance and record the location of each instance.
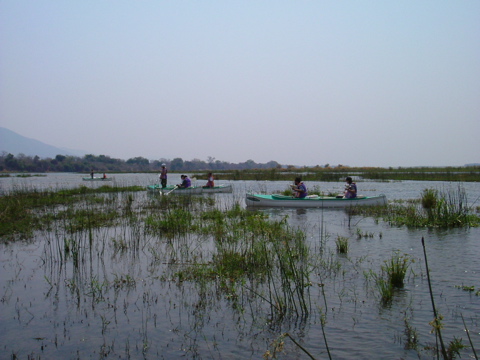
(30, 175)
(364, 234)
(468, 289)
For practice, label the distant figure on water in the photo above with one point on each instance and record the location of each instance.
(299, 189)
(211, 181)
(350, 189)
(163, 176)
(104, 175)
(91, 173)
(186, 182)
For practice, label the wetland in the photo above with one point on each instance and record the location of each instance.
(110, 271)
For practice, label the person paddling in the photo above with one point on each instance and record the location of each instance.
(299, 189)
(210, 182)
(350, 189)
(186, 182)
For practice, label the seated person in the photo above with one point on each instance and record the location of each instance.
(350, 189)
(210, 182)
(299, 189)
(186, 182)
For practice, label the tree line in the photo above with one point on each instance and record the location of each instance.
(104, 163)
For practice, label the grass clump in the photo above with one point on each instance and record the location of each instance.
(435, 209)
(342, 244)
(396, 268)
(392, 276)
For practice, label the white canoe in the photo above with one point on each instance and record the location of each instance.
(226, 188)
(313, 201)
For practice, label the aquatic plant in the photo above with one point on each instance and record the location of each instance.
(328, 173)
(411, 336)
(429, 198)
(443, 209)
(396, 268)
(391, 276)
(27, 210)
(342, 244)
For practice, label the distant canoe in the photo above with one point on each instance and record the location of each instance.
(97, 179)
(226, 188)
(314, 201)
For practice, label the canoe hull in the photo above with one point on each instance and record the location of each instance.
(96, 179)
(258, 200)
(194, 190)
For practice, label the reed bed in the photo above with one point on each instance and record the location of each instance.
(327, 173)
(448, 208)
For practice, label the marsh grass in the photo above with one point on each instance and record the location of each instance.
(342, 244)
(327, 173)
(396, 268)
(435, 209)
(391, 276)
(252, 251)
(26, 210)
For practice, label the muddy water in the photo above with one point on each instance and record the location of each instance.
(127, 304)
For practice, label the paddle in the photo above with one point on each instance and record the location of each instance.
(176, 186)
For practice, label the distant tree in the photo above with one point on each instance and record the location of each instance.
(60, 158)
(176, 164)
(138, 160)
(11, 163)
(273, 164)
(250, 164)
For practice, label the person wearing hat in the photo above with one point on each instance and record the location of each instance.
(163, 176)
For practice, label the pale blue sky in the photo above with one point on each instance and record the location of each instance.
(359, 83)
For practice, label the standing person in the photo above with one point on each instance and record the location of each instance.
(350, 189)
(91, 173)
(299, 189)
(210, 182)
(163, 176)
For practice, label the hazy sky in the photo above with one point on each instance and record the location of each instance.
(359, 83)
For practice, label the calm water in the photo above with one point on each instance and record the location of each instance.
(132, 310)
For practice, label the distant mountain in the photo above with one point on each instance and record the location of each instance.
(15, 144)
